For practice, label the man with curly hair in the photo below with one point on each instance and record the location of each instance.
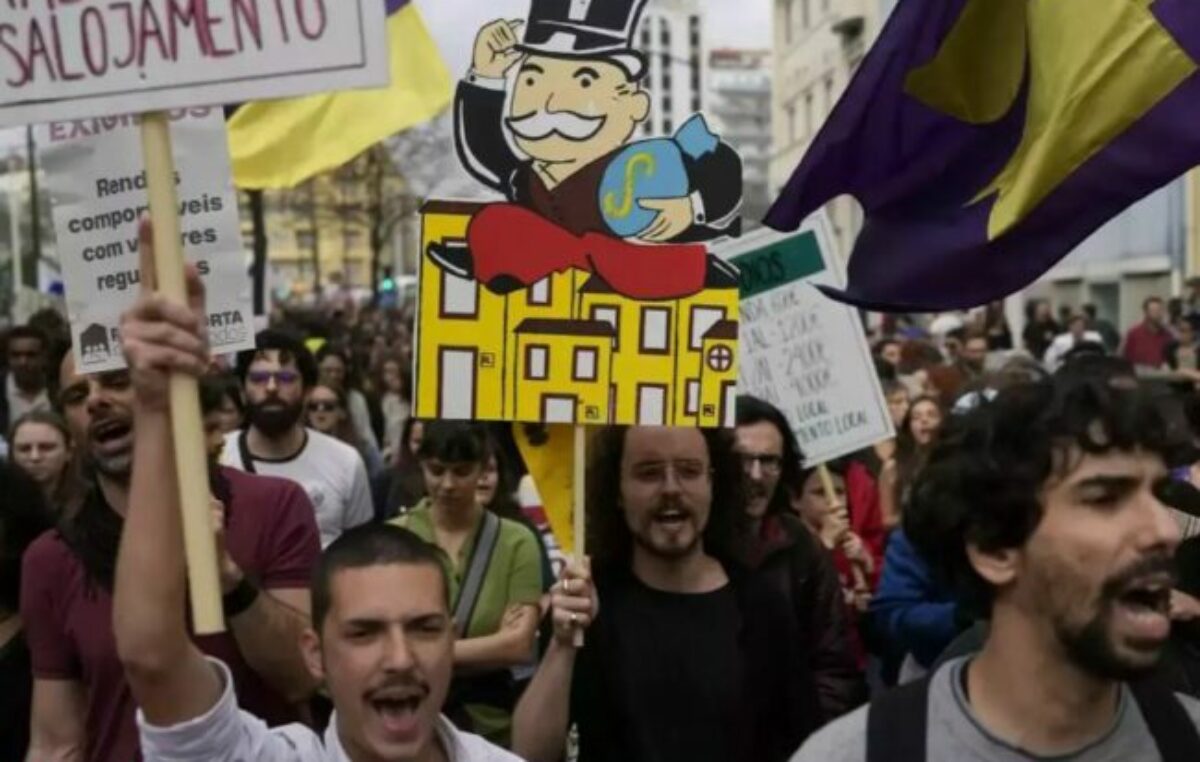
(1044, 511)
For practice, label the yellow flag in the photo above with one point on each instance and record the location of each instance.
(280, 144)
(549, 456)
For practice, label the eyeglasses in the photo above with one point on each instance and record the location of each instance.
(322, 407)
(770, 464)
(688, 473)
(281, 377)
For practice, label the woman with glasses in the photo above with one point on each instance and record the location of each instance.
(495, 574)
(326, 411)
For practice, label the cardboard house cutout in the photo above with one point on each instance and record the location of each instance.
(589, 296)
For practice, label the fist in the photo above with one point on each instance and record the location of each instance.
(573, 603)
(496, 49)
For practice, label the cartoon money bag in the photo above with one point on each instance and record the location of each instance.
(545, 116)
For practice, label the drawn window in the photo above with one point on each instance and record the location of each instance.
(585, 364)
(460, 296)
(656, 330)
(539, 293)
(693, 397)
(537, 362)
(703, 318)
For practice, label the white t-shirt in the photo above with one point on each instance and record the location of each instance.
(226, 734)
(330, 471)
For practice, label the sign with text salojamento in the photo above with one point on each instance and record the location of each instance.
(98, 187)
(803, 352)
(69, 59)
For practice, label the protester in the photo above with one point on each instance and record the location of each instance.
(327, 412)
(230, 410)
(1040, 327)
(42, 446)
(1108, 332)
(784, 552)
(276, 377)
(1146, 343)
(995, 327)
(495, 573)
(334, 368)
(497, 494)
(82, 704)
(23, 516)
(1042, 510)
(889, 352)
(25, 383)
(395, 400)
(972, 359)
(1077, 334)
(382, 641)
(685, 656)
(915, 439)
(1183, 353)
(405, 480)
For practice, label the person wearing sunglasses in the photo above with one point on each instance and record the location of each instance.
(277, 377)
(327, 411)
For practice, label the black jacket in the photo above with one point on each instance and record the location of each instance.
(801, 570)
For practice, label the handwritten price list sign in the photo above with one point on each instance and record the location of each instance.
(803, 352)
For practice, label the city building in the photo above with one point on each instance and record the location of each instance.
(818, 46)
(672, 37)
(739, 110)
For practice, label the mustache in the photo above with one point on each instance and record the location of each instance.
(542, 124)
(1158, 564)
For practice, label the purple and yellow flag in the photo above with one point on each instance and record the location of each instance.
(985, 139)
(280, 144)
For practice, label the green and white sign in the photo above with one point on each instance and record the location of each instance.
(803, 352)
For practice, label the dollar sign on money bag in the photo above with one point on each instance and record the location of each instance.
(643, 170)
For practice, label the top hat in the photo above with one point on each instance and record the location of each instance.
(587, 29)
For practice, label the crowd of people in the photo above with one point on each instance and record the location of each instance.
(998, 582)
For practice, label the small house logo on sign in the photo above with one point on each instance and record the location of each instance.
(94, 345)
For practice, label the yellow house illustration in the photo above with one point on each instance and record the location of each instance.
(568, 349)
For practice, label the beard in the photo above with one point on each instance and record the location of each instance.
(1093, 647)
(273, 417)
(676, 539)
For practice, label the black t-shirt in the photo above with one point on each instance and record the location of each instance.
(16, 694)
(666, 677)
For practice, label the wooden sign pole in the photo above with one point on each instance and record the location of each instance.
(187, 427)
(579, 515)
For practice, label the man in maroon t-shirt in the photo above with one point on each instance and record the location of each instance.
(82, 702)
(1146, 343)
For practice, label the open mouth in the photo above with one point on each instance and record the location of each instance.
(671, 518)
(397, 710)
(110, 433)
(1145, 607)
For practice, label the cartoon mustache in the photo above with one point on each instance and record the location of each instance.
(543, 124)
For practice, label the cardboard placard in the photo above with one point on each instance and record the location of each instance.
(803, 352)
(98, 188)
(62, 60)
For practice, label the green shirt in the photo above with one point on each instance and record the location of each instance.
(513, 578)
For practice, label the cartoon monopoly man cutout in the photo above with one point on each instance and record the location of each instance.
(545, 117)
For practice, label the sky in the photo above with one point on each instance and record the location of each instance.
(453, 23)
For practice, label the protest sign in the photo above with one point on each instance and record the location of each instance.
(801, 351)
(70, 60)
(98, 188)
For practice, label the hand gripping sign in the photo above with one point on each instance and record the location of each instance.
(62, 61)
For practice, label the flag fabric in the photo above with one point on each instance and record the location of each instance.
(985, 139)
(280, 144)
(549, 455)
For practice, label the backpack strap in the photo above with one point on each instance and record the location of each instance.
(897, 724)
(481, 558)
(1172, 727)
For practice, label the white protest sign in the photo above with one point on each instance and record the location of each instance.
(70, 59)
(98, 188)
(803, 352)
